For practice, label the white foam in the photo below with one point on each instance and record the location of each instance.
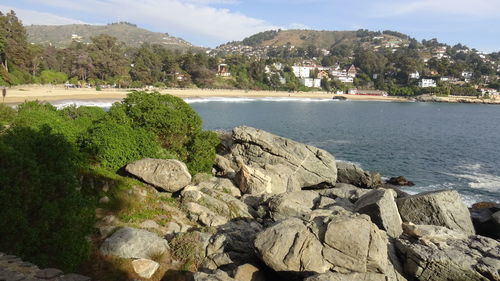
(244, 100)
(78, 103)
(477, 179)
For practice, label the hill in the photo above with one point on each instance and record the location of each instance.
(62, 35)
(318, 38)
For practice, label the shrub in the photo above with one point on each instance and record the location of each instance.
(53, 77)
(175, 124)
(44, 219)
(7, 114)
(114, 145)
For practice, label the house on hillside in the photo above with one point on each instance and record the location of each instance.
(427, 83)
(223, 70)
(415, 75)
(352, 71)
(301, 71)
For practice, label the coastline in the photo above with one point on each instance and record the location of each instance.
(21, 94)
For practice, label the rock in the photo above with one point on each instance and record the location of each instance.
(335, 276)
(352, 174)
(169, 175)
(219, 275)
(145, 268)
(204, 215)
(149, 224)
(130, 242)
(248, 272)
(344, 190)
(232, 245)
(292, 204)
(48, 273)
(380, 205)
(104, 200)
(486, 219)
(441, 254)
(271, 164)
(400, 181)
(212, 204)
(443, 208)
(343, 242)
(73, 277)
(223, 167)
(222, 185)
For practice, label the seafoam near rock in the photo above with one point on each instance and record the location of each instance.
(169, 175)
(272, 164)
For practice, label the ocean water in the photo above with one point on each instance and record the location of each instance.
(435, 145)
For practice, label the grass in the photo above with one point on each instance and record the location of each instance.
(186, 247)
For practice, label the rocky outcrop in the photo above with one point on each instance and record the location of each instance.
(292, 204)
(345, 242)
(248, 272)
(135, 243)
(13, 268)
(400, 181)
(344, 190)
(335, 276)
(443, 208)
(441, 254)
(219, 275)
(486, 219)
(211, 207)
(380, 205)
(266, 163)
(352, 174)
(168, 175)
(232, 245)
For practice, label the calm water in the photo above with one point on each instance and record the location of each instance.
(438, 146)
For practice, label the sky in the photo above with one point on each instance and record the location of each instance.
(208, 23)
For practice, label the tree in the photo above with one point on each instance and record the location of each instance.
(108, 57)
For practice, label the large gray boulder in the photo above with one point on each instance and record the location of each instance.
(443, 208)
(380, 205)
(292, 204)
(353, 174)
(336, 276)
(169, 175)
(441, 254)
(345, 242)
(267, 163)
(219, 275)
(130, 242)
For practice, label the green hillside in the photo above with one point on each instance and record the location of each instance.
(62, 35)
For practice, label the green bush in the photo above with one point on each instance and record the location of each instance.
(175, 124)
(114, 145)
(53, 77)
(7, 114)
(44, 219)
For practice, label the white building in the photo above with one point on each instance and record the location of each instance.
(301, 71)
(426, 83)
(311, 82)
(467, 75)
(345, 79)
(415, 75)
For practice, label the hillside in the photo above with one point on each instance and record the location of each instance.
(318, 38)
(62, 35)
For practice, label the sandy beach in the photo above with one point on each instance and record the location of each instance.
(20, 94)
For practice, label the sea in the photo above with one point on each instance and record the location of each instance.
(435, 145)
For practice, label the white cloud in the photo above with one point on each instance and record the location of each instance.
(32, 17)
(475, 8)
(195, 20)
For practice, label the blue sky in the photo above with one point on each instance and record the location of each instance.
(475, 23)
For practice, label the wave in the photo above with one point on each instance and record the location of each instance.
(477, 178)
(245, 100)
(78, 103)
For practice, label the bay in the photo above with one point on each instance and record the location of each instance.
(435, 145)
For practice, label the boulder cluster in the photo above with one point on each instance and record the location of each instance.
(276, 209)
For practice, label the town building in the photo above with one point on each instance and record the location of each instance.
(311, 82)
(222, 70)
(427, 83)
(415, 75)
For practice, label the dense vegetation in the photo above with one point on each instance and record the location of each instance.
(385, 61)
(47, 205)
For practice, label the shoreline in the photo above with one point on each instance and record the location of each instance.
(20, 94)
